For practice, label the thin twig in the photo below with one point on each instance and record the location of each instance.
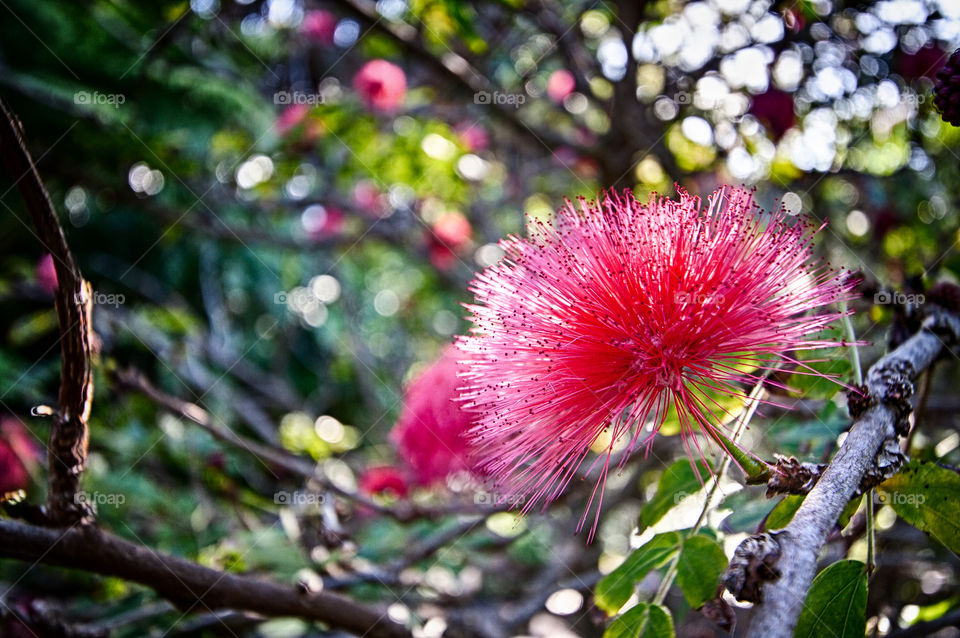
(67, 452)
(743, 419)
(189, 586)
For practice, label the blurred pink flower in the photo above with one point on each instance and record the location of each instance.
(46, 274)
(318, 26)
(775, 110)
(560, 84)
(617, 312)
(17, 450)
(368, 198)
(453, 229)
(381, 85)
(429, 434)
(321, 222)
(450, 233)
(473, 136)
(383, 479)
(293, 118)
(793, 19)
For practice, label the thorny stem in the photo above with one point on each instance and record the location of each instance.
(743, 419)
(858, 378)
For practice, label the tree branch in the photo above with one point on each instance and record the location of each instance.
(67, 452)
(787, 559)
(403, 511)
(456, 69)
(189, 586)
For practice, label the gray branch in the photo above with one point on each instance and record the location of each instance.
(775, 570)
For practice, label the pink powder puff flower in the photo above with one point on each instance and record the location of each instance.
(381, 85)
(429, 434)
(616, 313)
(383, 479)
(473, 136)
(560, 84)
(319, 26)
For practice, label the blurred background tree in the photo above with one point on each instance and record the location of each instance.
(279, 205)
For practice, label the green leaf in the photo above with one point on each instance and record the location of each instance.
(925, 495)
(699, 568)
(837, 603)
(648, 621)
(813, 386)
(748, 509)
(616, 587)
(852, 506)
(783, 513)
(678, 482)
